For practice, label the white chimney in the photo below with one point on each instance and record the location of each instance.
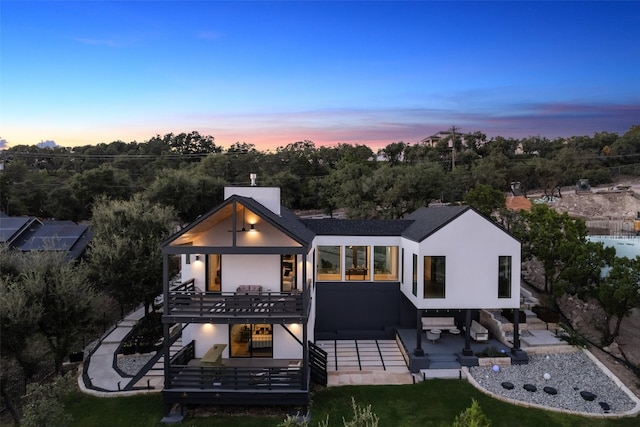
(253, 177)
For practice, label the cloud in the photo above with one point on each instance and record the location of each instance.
(47, 144)
(3, 144)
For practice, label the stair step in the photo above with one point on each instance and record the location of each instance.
(443, 358)
(451, 373)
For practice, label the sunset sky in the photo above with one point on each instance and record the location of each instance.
(272, 73)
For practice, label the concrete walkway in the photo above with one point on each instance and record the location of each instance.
(102, 375)
(360, 362)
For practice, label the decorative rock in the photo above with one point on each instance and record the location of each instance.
(550, 390)
(507, 385)
(587, 395)
(605, 407)
(530, 387)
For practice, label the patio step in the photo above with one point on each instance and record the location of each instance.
(443, 361)
(428, 374)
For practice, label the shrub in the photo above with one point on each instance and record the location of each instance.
(472, 417)
(491, 352)
(43, 403)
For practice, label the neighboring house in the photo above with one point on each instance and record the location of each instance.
(260, 285)
(434, 140)
(27, 234)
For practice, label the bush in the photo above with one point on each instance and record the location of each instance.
(43, 405)
(491, 352)
(472, 417)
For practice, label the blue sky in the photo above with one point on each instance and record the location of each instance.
(272, 73)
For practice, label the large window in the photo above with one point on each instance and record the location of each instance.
(385, 263)
(434, 276)
(251, 340)
(504, 277)
(214, 272)
(328, 263)
(414, 287)
(356, 261)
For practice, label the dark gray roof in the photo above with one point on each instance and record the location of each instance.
(11, 228)
(357, 227)
(29, 234)
(427, 221)
(57, 236)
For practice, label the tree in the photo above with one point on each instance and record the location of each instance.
(103, 180)
(618, 293)
(190, 192)
(393, 152)
(125, 250)
(68, 302)
(485, 199)
(551, 238)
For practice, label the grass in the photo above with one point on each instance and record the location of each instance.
(431, 403)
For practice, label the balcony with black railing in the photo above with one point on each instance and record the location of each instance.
(187, 304)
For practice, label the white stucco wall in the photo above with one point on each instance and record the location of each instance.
(471, 245)
(269, 197)
(206, 335)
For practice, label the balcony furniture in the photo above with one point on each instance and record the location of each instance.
(213, 356)
(444, 323)
(357, 271)
(478, 332)
(249, 290)
(261, 341)
(433, 335)
(454, 331)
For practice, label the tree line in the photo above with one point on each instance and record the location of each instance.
(188, 171)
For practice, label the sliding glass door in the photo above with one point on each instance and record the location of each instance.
(251, 340)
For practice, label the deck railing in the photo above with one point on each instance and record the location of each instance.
(183, 374)
(191, 303)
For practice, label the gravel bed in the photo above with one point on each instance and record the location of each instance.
(131, 364)
(568, 373)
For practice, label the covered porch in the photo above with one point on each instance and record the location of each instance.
(456, 345)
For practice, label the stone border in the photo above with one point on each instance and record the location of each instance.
(631, 413)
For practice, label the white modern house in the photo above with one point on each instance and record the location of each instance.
(260, 285)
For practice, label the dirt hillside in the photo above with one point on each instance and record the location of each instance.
(619, 205)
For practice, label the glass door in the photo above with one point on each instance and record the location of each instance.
(251, 340)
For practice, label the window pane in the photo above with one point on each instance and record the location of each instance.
(385, 263)
(356, 261)
(434, 276)
(504, 277)
(328, 263)
(415, 275)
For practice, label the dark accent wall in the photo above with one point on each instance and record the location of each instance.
(361, 310)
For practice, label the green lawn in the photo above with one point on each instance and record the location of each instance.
(431, 403)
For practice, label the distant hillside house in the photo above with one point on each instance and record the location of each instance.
(27, 234)
(435, 139)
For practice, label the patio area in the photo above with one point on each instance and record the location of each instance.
(443, 352)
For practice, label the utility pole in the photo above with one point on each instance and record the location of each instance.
(453, 130)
